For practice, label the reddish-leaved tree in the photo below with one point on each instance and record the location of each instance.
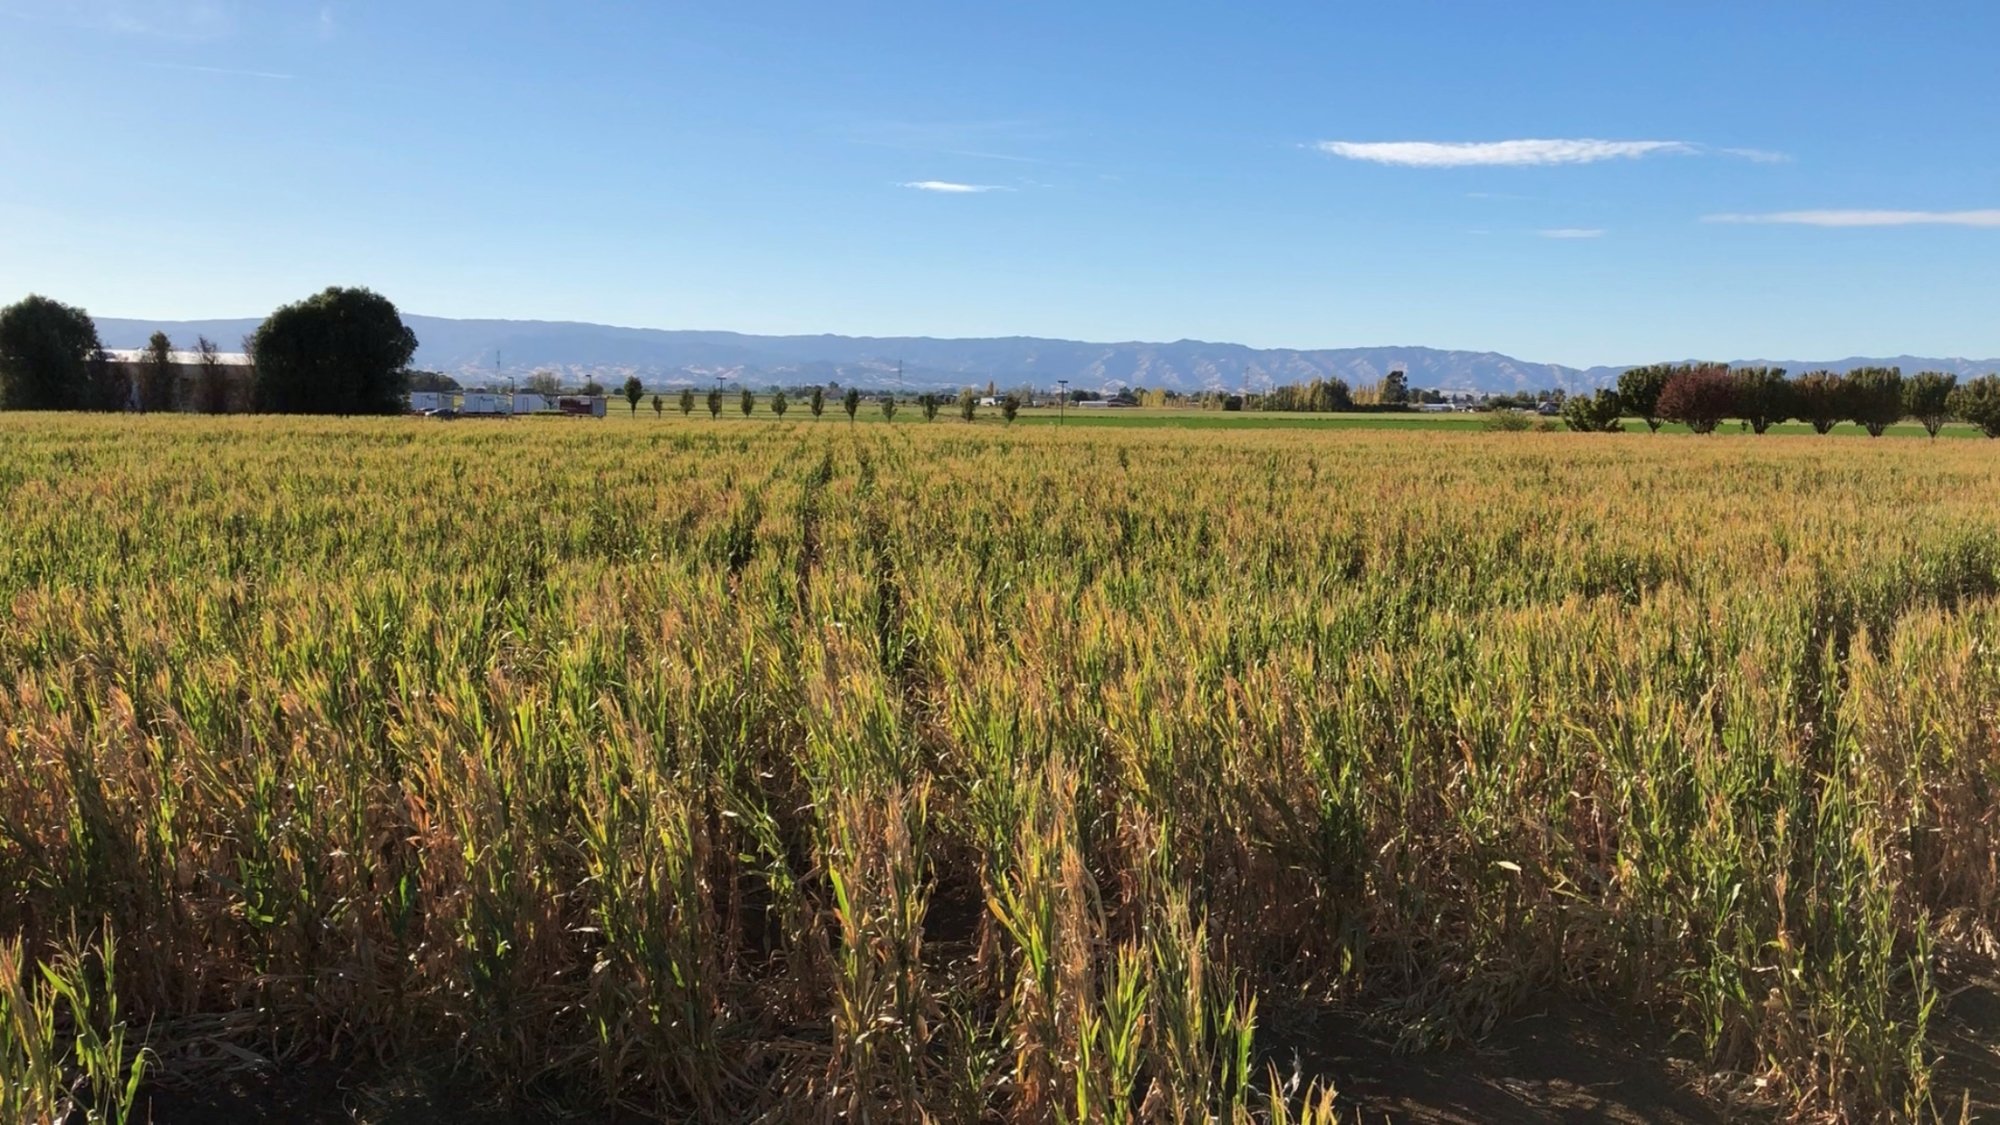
(1699, 396)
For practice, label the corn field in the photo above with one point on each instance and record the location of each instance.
(756, 770)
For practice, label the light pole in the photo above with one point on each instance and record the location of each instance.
(1062, 404)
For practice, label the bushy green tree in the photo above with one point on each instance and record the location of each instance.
(1763, 396)
(1874, 397)
(779, 404)
(1820, 397)
(968, 403)
(928, 403)
(687, 401)
(888, 408)
(634, 391)
(1597, 413)
(659, 406)
(1978, 401)
(593, 388)
(715, 404)
(1010, 407)
(1927, 398)
(816, 402)
(340, 351)
(544, 383)
(746, 402)
(850, 401)
(1639, 391)
(45, 357)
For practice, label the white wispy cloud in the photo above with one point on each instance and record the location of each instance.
(228, 71)
(1468, 154)
(947, 187)
(183, 20)
(1758, 155)
(1572, 232)
(1859, 218)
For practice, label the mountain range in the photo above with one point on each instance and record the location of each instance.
(480, 352)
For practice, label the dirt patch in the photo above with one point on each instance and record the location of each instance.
(1965, 1033)
(1567, 1063)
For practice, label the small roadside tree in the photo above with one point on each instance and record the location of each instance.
(1009, 407)
(1763, 396)
(687, 401)
(779, 404)
(659, 406)
(888, 408)
(816, 402)
(213, 394)
(968, 403)
(1639, 391)
(850, 401)
(1821, 399)
(928, 403)
(1597, 414)
(45, 357)
(634, 391)
(1699, 396)
(156, 374)
(715, 404)
(1927, 398)
(746, 402)
(1874, 397)
(1978, 401)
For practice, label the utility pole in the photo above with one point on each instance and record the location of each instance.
(1062, 402)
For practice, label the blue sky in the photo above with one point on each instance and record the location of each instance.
(1569, 182)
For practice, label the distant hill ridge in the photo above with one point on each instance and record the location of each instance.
(467, 350)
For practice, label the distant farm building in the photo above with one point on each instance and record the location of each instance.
(226, 388)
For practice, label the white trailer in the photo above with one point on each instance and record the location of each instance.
(482, 403)
(525, 403)
(423, 402)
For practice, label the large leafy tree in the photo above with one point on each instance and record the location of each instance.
(1700, 397)
(1927, 398)
(1874, 397)
(1821, 399)
(1978, 401)
(1639, 391)
(341, 351)
(1763, 396)
(46, 350)
(634, 391)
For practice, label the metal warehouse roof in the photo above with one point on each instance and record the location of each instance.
(136, 355)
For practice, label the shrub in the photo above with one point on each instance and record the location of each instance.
(1595, 414)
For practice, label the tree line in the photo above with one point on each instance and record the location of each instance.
(930, 405)
(1701, 396)
(340, 351)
